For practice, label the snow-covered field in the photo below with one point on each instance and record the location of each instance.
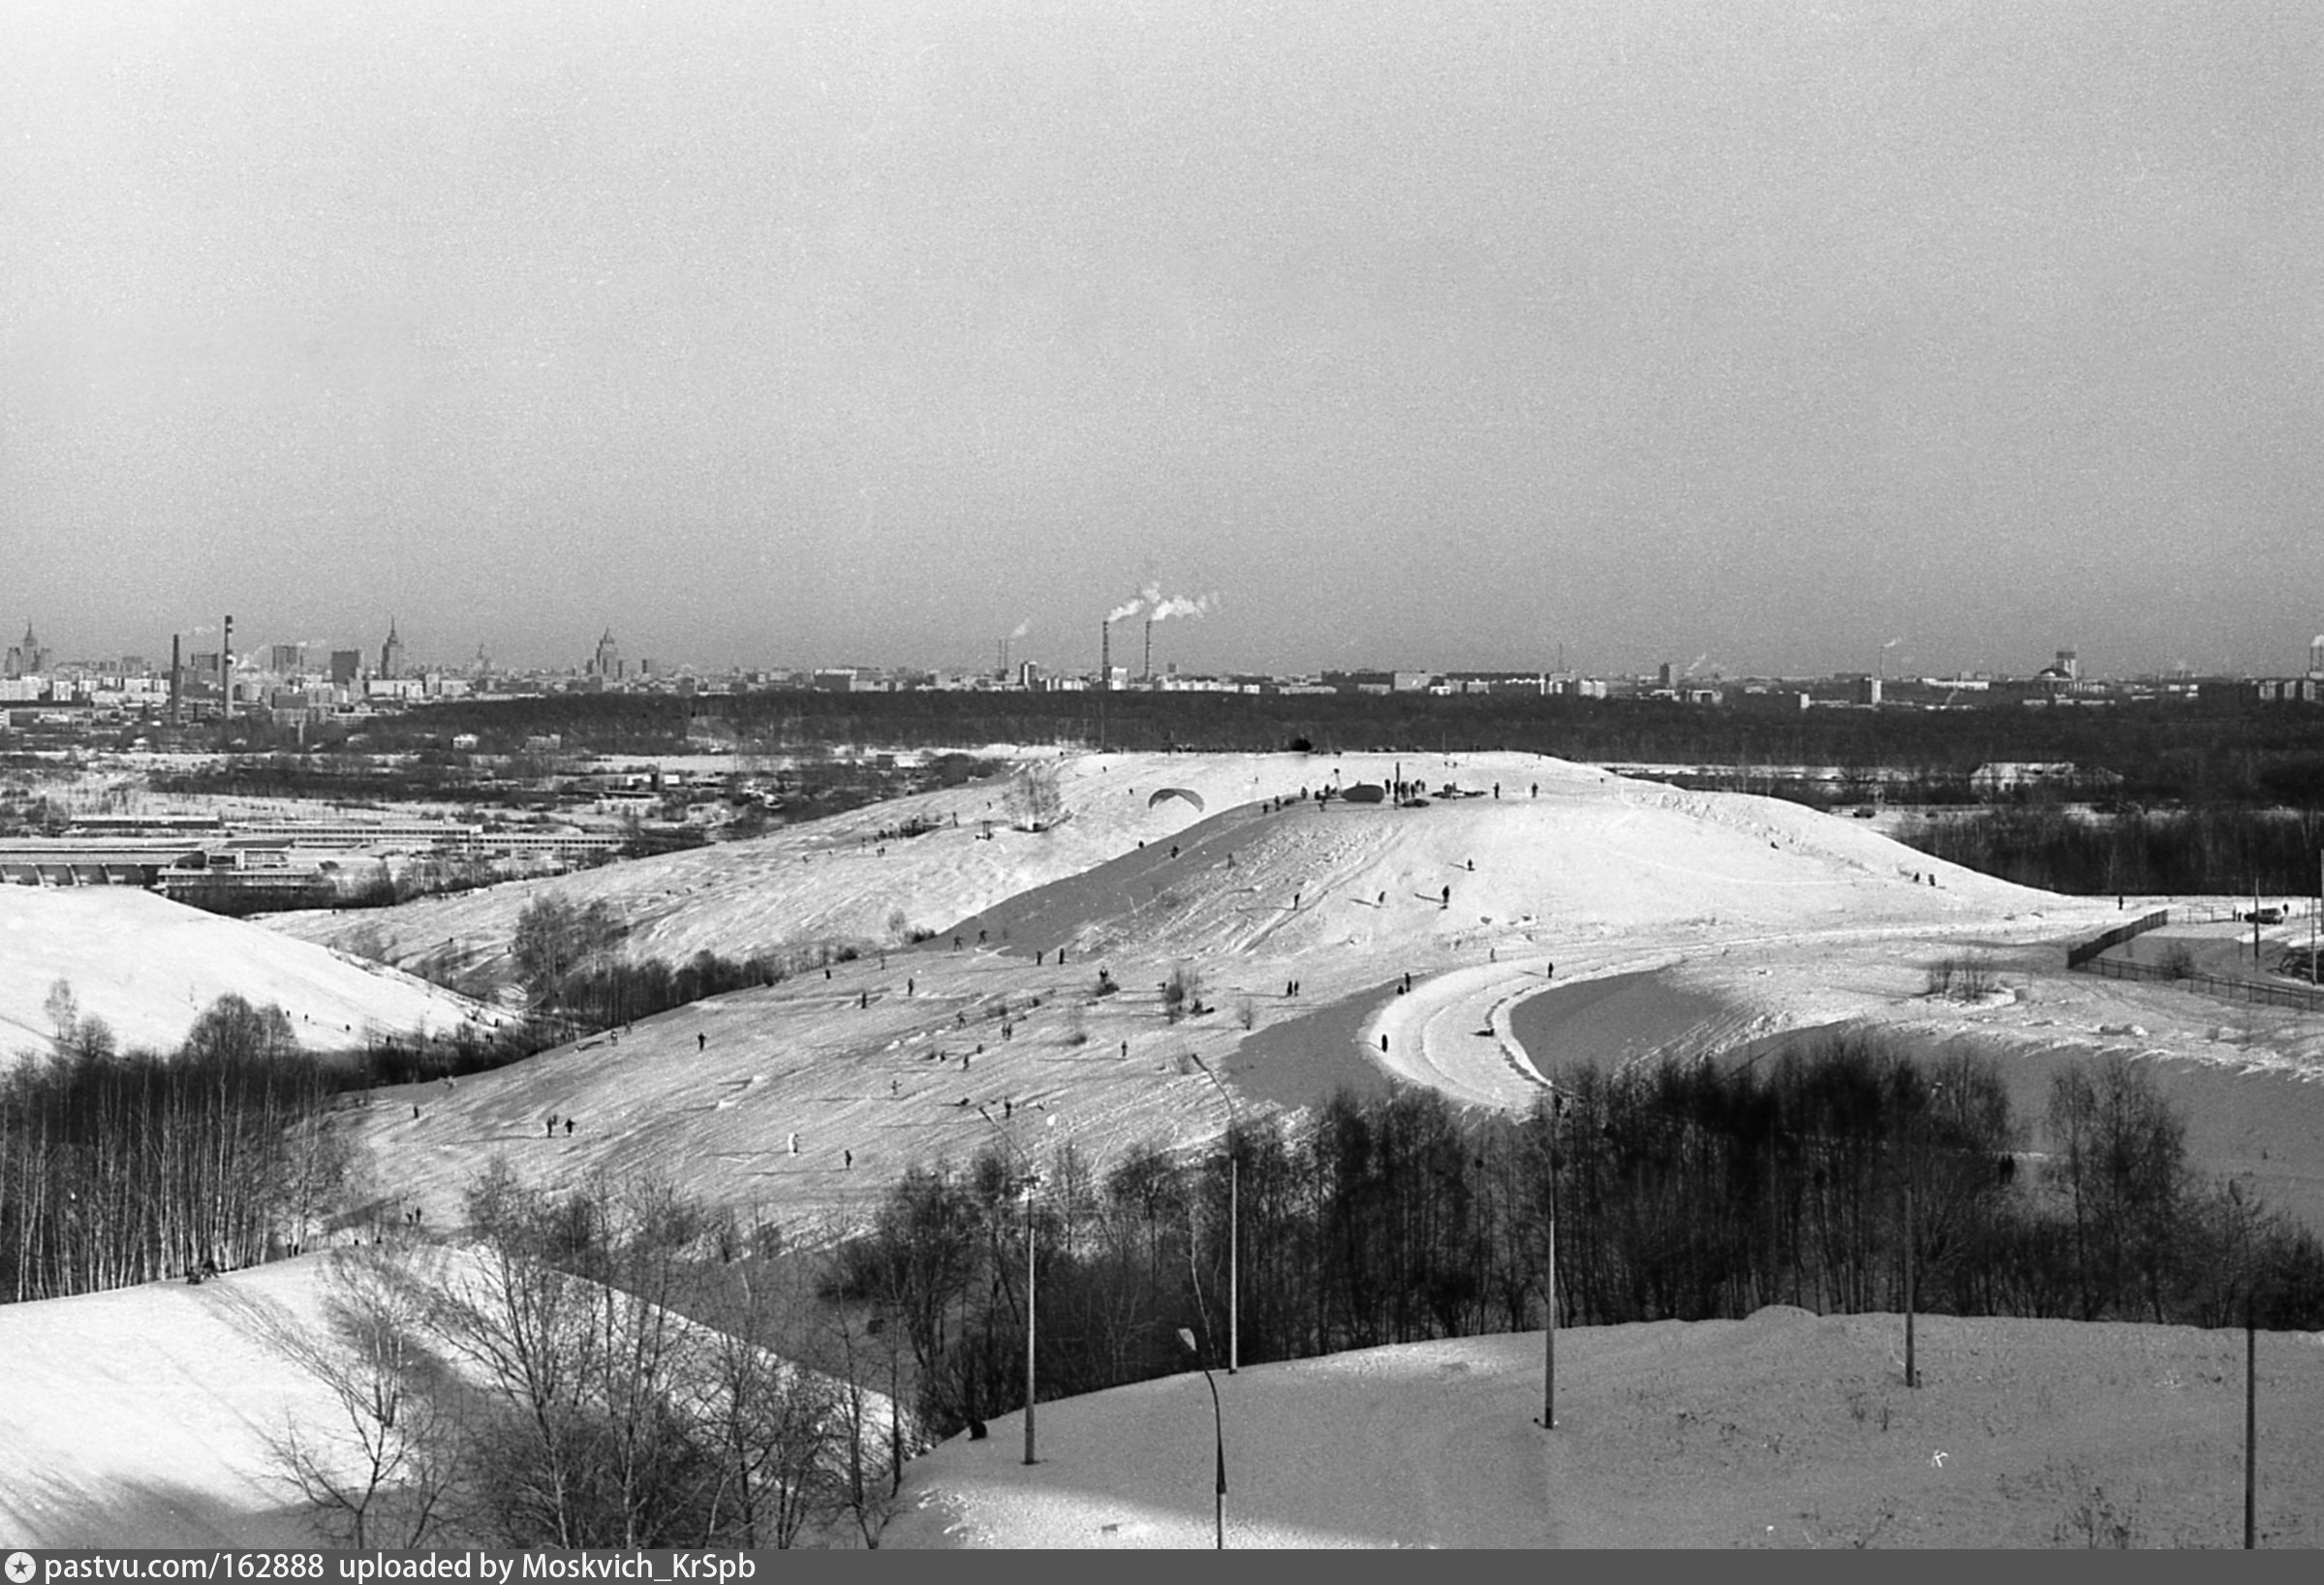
(1707, 921)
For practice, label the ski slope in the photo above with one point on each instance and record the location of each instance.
(149, 967)
(1704, 920)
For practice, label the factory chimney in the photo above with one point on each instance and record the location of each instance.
(226, 664)
(1149, 649)
(176, 676)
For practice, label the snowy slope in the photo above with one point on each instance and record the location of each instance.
(148, 966)
(932, 1052)
(1592, 851)
(1757, 916)
(1784, 1430)
(142, 1417)
(835, 879)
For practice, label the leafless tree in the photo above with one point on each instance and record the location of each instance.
(774, 1422)
(1034, 801)
(383, 1470)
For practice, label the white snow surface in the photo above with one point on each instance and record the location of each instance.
(142, 1418)
(1737, 916)
(1783, 1430)
(1788, 917)
(149, 967)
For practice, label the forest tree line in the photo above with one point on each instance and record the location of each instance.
(1682, 1192)
(125, 1166)
(2211, 849)
(2227, 749)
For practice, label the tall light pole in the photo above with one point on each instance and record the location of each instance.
(1549, 1335)
(1217, 1424)
(1911, 1243)
(1031, 1183)
(2235, 1192)
(1026, 1181)
(1234, 1225)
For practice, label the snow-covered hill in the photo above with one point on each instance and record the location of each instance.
(1723, 918)
(939, 1051)
(1565, 845)
(149, 967)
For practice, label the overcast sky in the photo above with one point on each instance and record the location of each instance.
(1418, 334)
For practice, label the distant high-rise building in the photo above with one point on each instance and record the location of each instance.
(27, 659)
(607, 661)
(2069, 666)
(392, 653)
(347, 665)
(286, 659)
(2315, 655)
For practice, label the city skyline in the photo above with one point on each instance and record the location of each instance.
(1447, 336)
(612, 657)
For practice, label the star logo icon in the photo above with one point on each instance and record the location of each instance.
(21, 1568)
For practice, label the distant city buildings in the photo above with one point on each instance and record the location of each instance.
(308, 685)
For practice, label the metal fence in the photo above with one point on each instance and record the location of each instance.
(2083, 951)
(2208, 984)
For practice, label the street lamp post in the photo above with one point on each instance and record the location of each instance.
(2250, 1423)
(1234, 1225)
(1911, 1245)
(2235, 1192)
(1549, 1340)
(1030, 1182)
(1026, 1181)
(1217, 1424)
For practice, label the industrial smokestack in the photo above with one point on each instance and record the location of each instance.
(177, 675)
(225, 662)
(1149, 649)
(1106, 674)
